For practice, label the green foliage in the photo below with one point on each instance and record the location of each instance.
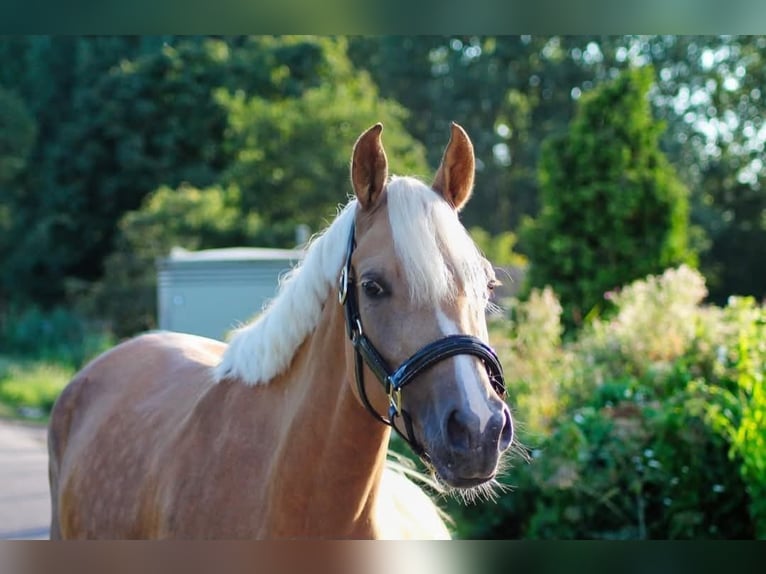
(145, 122)
(628, 343)
(17, 135)
(657, 426)
(57, 336)
(116, 117)
(499, 248)
(32, 386)
(147, 118)
(289, 166)
(734, 215)
(529, 341)
(612, 207)
(40, 352)
(51, 74)
(291, 156)
(737, 408)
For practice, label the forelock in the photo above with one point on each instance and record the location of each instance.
(438, 257)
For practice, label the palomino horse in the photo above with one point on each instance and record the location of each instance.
(175, 436)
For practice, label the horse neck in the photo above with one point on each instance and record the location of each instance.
(329, 463)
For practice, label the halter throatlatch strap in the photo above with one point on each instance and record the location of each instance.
(394, 382)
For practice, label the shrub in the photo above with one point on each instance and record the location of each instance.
(658, 429)
(734, 401)
(528, 342)
(32, 385)
(57, 335)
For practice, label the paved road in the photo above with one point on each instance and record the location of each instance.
(24, 496)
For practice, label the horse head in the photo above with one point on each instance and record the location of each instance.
(415, 289)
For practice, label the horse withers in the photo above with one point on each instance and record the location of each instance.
(283, 433)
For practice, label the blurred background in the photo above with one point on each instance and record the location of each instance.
(618, 190)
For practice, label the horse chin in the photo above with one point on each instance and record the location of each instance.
(454, 477)
(467, 490)
(455, 480)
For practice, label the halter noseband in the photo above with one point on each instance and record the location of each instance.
(394, 382)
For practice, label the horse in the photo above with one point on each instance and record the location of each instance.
(283, 432)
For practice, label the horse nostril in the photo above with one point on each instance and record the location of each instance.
(457, 431)
(506, 435)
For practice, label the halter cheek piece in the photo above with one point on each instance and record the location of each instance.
(394, 382)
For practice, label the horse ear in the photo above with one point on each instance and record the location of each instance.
(454, 178)
(369, 167)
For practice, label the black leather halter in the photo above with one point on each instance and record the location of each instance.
(394, 382)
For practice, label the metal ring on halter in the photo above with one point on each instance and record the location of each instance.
(393, 382)
(343, 287)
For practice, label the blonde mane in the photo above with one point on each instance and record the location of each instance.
(435, 251)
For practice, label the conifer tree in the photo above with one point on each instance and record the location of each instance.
(612, 208)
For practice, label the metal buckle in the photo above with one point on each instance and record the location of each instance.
(343, 287)
(394, 401)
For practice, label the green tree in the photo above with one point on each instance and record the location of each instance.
(512, 92)
(289, 159)
(139, 117)
(500, 248)
(51, 75)
(613, 209)
(509, 92)
(118, 116)
(144, 122)
(291, 156)
(17, 136)
(736, 226)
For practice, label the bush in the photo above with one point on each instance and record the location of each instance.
(57, 335)
(736, 405)
(32, 387)
(536, 365)
(649, 424)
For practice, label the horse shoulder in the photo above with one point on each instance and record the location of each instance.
(405, 511)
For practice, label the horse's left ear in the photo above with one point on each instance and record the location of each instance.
(454, 178)
(369, 167)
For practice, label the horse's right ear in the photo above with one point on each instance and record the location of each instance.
(369, 167)
(454, 178)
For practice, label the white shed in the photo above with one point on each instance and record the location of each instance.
(212, 291)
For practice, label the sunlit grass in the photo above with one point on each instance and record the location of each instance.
(29, 388)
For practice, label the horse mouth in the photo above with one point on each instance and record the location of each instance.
(469, 482)
(454, 479)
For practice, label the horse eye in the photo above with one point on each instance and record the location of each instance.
(372, 288)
